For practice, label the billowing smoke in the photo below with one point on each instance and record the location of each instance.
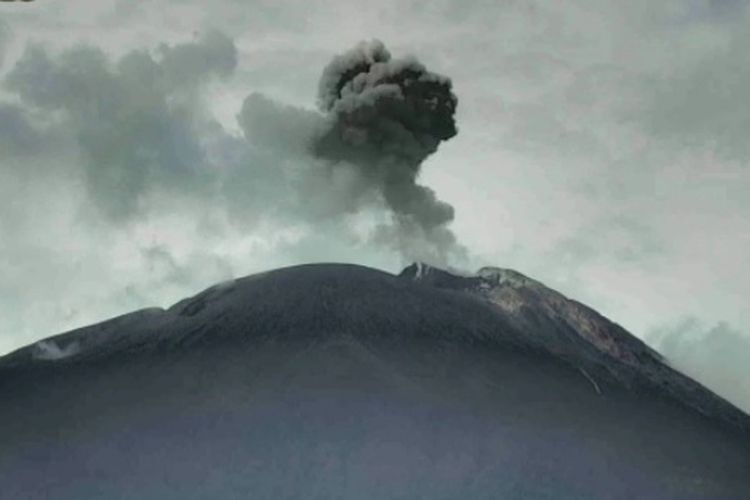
(386, 117)
(120, 187)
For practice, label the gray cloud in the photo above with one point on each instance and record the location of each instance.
(4, 39)
(387, 116)
(699, 106)
(721, 10)
(135, 121)
(715, 356)
(17, 134)
(144, 133)
(192, 63)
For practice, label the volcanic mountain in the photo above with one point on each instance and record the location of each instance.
(334, 381)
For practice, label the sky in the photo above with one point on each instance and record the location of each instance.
(151, 149)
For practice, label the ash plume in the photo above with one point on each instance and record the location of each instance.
(386, 116)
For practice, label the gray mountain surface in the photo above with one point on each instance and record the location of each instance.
(333, 381)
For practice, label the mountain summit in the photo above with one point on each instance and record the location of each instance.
(340, 381)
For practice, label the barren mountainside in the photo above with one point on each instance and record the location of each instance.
(340, 381)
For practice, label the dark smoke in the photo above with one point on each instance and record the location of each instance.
(386, 117)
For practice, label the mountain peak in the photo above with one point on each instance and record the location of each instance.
(533, 316)
(488, 276)
(330, 380)
(499, 276)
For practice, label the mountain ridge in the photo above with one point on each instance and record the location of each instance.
(599, 348)
(340, 381)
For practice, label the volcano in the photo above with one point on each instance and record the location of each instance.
(333, 381)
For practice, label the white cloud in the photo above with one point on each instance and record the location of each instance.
(715, 356)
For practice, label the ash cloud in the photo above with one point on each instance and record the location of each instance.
(145, 138)
(104, 159)
(385, 117)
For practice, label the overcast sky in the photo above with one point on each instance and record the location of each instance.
(150, 149)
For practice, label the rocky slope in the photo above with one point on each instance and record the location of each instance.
(339, 381)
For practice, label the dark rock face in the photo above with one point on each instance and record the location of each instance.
(337, 381)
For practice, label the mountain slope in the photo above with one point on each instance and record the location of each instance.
(338, 381)
(572, 331)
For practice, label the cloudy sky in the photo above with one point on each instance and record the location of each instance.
(150, 149)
